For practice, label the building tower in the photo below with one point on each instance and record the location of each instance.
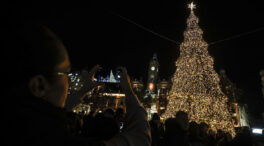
(149, 99)
(153, 71)
(195, 84)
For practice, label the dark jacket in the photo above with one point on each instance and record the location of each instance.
(37, 122)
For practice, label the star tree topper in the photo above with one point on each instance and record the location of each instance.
(191, 6)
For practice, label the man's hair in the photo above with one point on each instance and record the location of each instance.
(32, 50)
(181, 113)
(203, 124)
(155, 116)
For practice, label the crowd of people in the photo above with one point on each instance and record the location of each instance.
(173, 131)
(179, 131)
(38, 89)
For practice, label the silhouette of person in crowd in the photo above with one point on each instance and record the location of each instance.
(156, 130)
(176, 130)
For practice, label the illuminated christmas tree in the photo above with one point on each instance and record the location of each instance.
(196, 89)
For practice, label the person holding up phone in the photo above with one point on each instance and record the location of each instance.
(38, 94)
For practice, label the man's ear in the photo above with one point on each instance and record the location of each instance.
(39, 86)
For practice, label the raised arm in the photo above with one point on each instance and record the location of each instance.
(88, 85)
(136, 131)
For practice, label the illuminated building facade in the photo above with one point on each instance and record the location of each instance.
(138, 88)
(163, 95)
(237, 109)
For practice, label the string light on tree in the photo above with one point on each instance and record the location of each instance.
(195, 84)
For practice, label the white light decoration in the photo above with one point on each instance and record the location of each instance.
(114, 94)
(152, 68)
(257, 130)
(195, 84)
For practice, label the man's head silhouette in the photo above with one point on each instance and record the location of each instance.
(41, 64)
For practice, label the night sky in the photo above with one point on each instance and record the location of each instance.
(93, 33)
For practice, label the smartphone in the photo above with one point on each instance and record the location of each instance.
(121, 126)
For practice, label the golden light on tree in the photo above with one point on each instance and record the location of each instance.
(196, 89)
